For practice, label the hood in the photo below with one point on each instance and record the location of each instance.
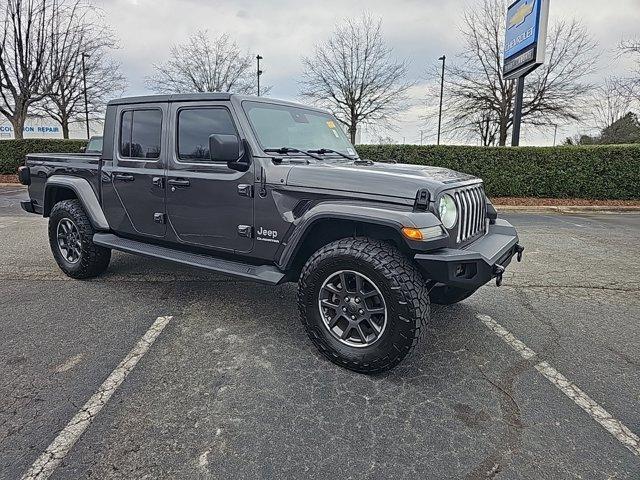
(395, 180)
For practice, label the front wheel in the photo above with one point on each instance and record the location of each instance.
(363, 304)
(71, 240)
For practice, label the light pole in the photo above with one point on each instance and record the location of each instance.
(258, 58)
(443, 59)
(86, 101)
(555, 134)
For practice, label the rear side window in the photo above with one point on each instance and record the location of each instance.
(195, 125)
(140, 134)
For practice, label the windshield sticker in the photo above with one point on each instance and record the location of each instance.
(331, 125)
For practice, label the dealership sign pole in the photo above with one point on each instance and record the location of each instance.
(524, 51)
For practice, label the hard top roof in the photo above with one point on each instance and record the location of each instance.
(195, 97)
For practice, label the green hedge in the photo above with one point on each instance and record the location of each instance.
(13, 152)
(594, 172)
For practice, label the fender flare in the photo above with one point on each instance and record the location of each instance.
(361, 212)
(85, 194)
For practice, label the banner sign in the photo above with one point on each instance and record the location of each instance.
(526, 37)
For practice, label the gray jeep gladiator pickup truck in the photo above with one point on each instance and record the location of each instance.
(274, 192)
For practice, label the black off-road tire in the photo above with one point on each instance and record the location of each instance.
(93, 259)
(447, 295)
(404, 290)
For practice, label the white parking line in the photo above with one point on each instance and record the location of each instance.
(612, 425)
(46, 463)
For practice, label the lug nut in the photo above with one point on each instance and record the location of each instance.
(361, 312)
(357, 300)
(347, 299)
(344, 309)
(353, 317)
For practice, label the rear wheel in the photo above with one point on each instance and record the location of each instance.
(363, 304)
(447, 295)
(71, 241)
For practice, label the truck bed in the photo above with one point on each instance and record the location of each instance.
(44, 165)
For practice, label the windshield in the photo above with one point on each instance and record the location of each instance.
(278, 126)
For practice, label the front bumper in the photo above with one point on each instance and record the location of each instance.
(476, 264)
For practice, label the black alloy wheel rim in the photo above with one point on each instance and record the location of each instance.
(69, 242)
(353, 308)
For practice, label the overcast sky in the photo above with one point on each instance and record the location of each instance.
(284, 30)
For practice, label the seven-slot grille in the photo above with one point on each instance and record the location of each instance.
(472, 212)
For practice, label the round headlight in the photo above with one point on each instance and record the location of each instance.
(448, 212)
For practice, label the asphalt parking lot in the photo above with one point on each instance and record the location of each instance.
(232, 388)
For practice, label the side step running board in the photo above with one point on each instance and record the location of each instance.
(263, 274)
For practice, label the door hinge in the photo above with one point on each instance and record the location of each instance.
(158, 182)
(245, 231)
(160, 218)
(245, 190)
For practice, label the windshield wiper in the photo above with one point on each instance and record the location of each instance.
(324, 151)
(286, 150)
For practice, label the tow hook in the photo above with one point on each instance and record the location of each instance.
(519, 251)
(498, 271)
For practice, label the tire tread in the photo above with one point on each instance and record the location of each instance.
(405, 280)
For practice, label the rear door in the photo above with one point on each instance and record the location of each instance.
(206, 205)
(137, 203)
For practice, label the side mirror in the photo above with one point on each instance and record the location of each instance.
(83, 149)
(227, 148)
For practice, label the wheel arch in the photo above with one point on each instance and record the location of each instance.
(328, 223)
(59, 188)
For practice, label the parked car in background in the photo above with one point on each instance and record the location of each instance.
(94, 147)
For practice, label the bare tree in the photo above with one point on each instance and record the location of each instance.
(74, 34)
(24, 53)
(609, 105)
(630, 87)
(205, 65)
(476, 89)
(354, 75)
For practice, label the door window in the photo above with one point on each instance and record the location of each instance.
(140, 134)
(195, 125)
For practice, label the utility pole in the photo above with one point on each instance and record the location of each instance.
(555, 134)
(443, 59)
(421, 136)
(258, 58)
(86, 101)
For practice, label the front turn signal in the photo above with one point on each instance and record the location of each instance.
(413, 233)
(421, 234)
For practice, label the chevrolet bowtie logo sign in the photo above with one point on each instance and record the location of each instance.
(521, 14)
(525, 37)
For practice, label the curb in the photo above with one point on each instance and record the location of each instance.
(567, 209)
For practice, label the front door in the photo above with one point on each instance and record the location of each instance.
(206, 204)
(134, 198)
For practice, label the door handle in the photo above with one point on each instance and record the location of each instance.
(125, 177)
(179, 182)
